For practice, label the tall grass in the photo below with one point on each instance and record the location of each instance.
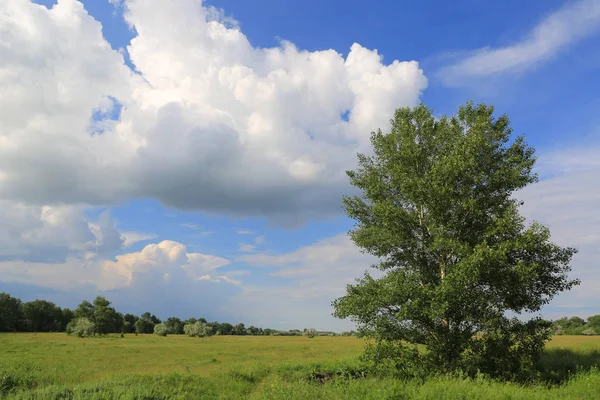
(56, 366)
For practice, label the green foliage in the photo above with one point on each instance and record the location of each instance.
(44, 316)
(437, 208)
(129, 321)
(145, 324)
(239, 329)
(174, 326)
(387, 358)
(83, 327)
(594, 321)
(19, 376)
(225, 329)
(198, 329)
(576, 326)
(311, 333)
(161, 329)
(104, 317)
(11, 313)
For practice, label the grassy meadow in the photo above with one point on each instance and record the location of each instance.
(57, 366)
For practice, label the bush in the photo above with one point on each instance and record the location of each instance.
(199, 329)
(393, 359)
(590, 332)
(83, 327)
(311, 333)
(160, 329)
(558, 330)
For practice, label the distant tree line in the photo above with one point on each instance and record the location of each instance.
(577, 326)
(99, 317)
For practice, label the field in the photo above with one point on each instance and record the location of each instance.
(57, 366)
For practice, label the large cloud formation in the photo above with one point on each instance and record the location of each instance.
(202, 120)
(206, 121)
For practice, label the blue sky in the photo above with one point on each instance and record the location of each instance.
(188, 157)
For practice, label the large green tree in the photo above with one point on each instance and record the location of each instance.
(436, 207)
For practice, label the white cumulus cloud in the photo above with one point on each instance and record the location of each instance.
(207, 121)
(52, 233)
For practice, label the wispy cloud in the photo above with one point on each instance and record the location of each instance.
(244, 232)
(260, 240)
(195, 227)
(134, 237)
(246, 248)
(238, 273)
(571, 23)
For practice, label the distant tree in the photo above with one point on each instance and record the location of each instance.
(214, 327)
(67, 316)
(575, 322)
(268, 331)
(208, 331)
(129, 321)
(199, 329)
(105, 317)
(11, 313)
(155, 320)
(190, 329)
(119, 322)
(83, 327)
(161, 329)
(594, 321)
(84, 310)
(346, 333)
(558, 330)
(590, 332)
(174, 326)
(310, 333)
(437, 208)
(43, 316)
(252, 330)
(145, 324)
(225, 328)
(239, 329)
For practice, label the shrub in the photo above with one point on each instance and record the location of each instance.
(590, 332)
(558, 330)
(83, 327)
(160, 329)
(311, 333)
(199, 329)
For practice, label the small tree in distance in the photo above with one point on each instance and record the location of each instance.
(161, 329)
(310, 333)
(437, 210)
(83, 327)
(199, 329)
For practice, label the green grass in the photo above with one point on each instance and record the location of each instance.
(57, 366)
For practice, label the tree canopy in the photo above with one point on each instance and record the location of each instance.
(436, 207)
